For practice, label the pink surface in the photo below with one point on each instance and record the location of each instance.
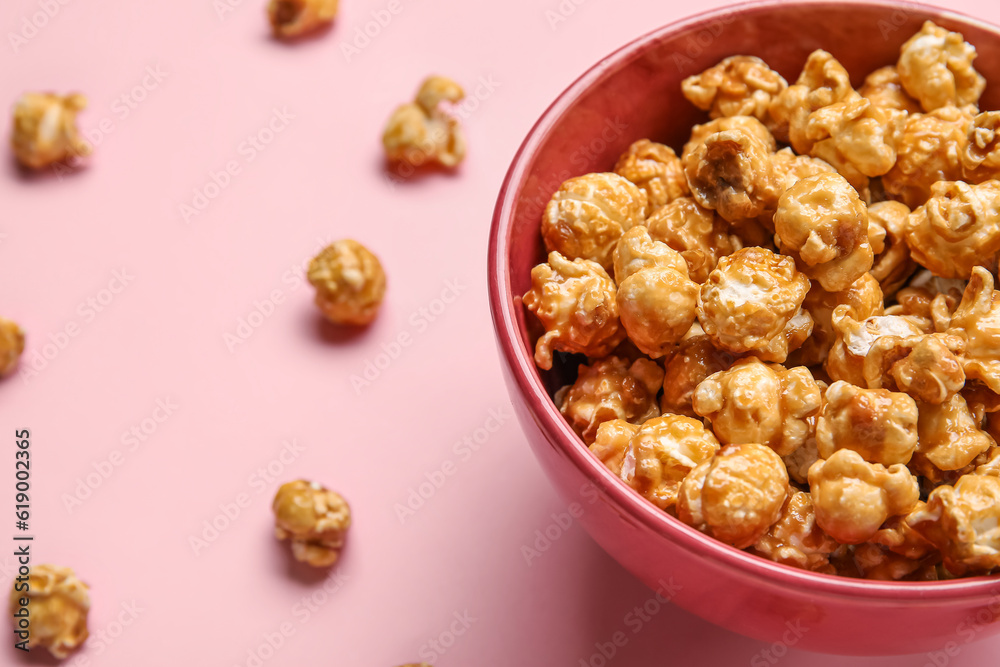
(404, 582)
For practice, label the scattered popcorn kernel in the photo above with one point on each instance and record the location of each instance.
(736, 496)
(795, 539)
(576, 303)
(11, 345)
(752, 303)
(694, 360)
(823, 225)
(737, 86)
(855, 338)
(656, 170)
(878, 424)
(611, 443)
(892, 265)
(950, 438)
(884, 88)
(45, 129)
(762, 403)
(853, 498)
(977, 320)
(864, 300)
(588, 214)
(315, 519)
(663, 451)
(699, 234)
(963, 522)
(57, 604)
(981, 158)
(935, 67)
(291, 18)
(611, 388)
(422, 132)
(928, 367)
(349, 282)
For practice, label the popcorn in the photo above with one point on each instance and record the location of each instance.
(878, 424)
(737, 86)
(884, 88)
(823, 82)
(977, 320)
(45, 131)
(950, 438)
(422, 132)
(699, 234)
(926, 367)
(11, 345)
(935, 67)
(981, 158)
(662, 453)
(291, 18)
(611, 443)
(349, 282)
(893, 265)
(315, 519)
(694, 360)
(795, 539)
(58, 604)
(656, 170)
(855, 339)
(863, 299)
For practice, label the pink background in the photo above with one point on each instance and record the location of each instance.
(161, 336)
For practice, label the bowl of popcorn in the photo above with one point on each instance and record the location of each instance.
(743, 279)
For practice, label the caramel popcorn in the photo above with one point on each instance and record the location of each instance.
(878, 424)
(981, 158)
(795, 539)
(792, 168)
(884, 88)
(611, 388)
(926, 367)
(291, 18)
(611, 443)
(11, 345)
(58, 604)
(962, 522)
(863, 298)
(576, 302)
(736, 496)
(694, 360)
(657, 170)
(314, 518)
(745, 124)
(853, 498)
(349, 282)
(878, 563)
(935, 67)
(737, 86)
(762, 403)
(752, 303)
(45, 129)
(977, 320)
(588, 214)
(854, 341)
(893, 265)
(662, 453)
(823, 225)
(897, 536)
(423, 132)
(799, 461)
(950, 437)
(699, 234)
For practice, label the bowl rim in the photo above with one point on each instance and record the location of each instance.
(565, 440)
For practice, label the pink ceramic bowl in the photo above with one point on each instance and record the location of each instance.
(635, 93)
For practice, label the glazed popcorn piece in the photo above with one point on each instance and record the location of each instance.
(349, 282)
(588, 214)
(977, 320)
(897, 536)
(791, 168)
(611, 443)
(855, 338)
(737, 86)
(736, 496)
(884, 88)
(878, 563)
(11, 345)
(423, 132)
(935, 67)
(957, 229)
(694, 360)
(931, 299)
(291, 18)
(576, 302)
(761, 403)
(655, 169)
(699, 234)
(853, 498)
(662, 453)
(892, 266)
(795, 539)
(58, 604)
(752, 303)
(878, 424)
(745, 124)
(823, 224)
(962, 522)
(314, 518)
(656, 299)
(863, 298)
(799, 461)
(823, 82)
(45, 129)
(950, 438)
(611, 388)
(928, 367)
(981, 158)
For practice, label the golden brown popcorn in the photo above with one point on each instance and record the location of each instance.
(935, 67)
(57, 603)
(699, 234)
(950, 438)
(795, 539)
(878, 424)
(746, 124)
(349, 282)
(823, 225)
(897, 536)
(45, 129)
(11, 345)
(656, 299)
(977, 320)
(799, 461)
(576, 303)
(657, 170)
(927, 367)
(610, 388)
(693, 361)
(737, 86)
(929, 298)
(588, 214)
(736, 496)
(853, 498)
(963, 521)
(611, 443)
(314, 518)
(291, 18)
(855, 338)
(792, 168)
(981, 158)
(864, 299)
(762, 403)
(662, 453)
(957, 229)
(892, 265)
(423, 132)
(823, 82)
(883, 88)
(878, 563)
(752, 303)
